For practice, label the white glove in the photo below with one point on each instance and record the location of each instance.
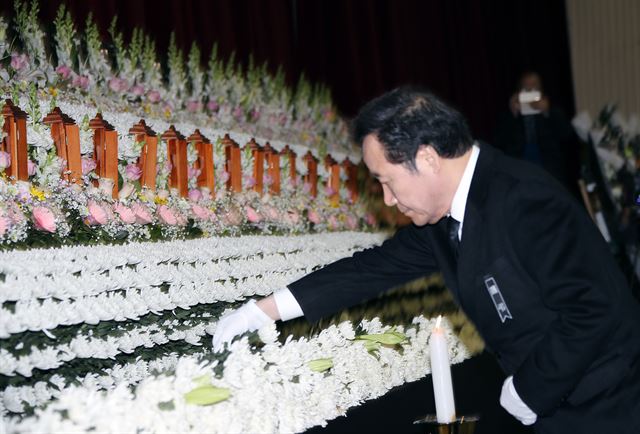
(511, 402)
(246, 318)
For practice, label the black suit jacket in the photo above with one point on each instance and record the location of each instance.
(568, 328)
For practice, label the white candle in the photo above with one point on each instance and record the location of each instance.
(441, 374)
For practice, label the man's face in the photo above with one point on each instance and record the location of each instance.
(417, 194)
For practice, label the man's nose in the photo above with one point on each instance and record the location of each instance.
(389, 198)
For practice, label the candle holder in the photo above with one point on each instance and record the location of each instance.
(462, 425)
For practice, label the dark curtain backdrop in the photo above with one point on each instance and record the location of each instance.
(469, 52)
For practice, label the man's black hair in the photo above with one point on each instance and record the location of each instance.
(406, 118)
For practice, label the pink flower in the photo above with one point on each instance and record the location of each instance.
(213, 106)
(81, 81)
(201, 212)
(194, 106)
(306, 188)
(137, 90)
(44, 219)
(97, 214)
(232, 217)
(328, 191)
(4, 225)
(88, 165)
(118, 85)
(153, 96)
(5, 160)
(271, 213)
(195, 195)
(313, 217)
(352, 222)
(166, 215)
(133, 172)
(126, 214)
(250, 181)
(143, 216)
(224, 177)
(252, 215)
(370, 219)
(237, 113)
(291, 217)
(15, 214)
(268, 180)
(63, 71)
(333, 222)
(255, 115)
(181, 219)
(192, 172)
(19, 61)
(31, 168)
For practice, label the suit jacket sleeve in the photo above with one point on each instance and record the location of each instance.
(564, 253)
(349, 281)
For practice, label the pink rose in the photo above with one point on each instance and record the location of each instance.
(224, 177)
(238, 113)
(291, 217)
(97, 214)
(166, 215)
(19, 61)
(88, 165)
(133, 172)
(370, 219)
(271, 213)
(232, 218)
(328, 191)
(63, 71)
(137, 90)
(5, 160)
(153, 96)
(352, 222)
(313, 216)
(213, 106)
(4, 225)
(333, 222)
(194, 106)
(181, 219)
(118, 85)
(195, 195)
(126, 190)
(31, 168)
(252, 215)
(201, 212)
(126, 214)
(143, 216)
(44, 219)
(81, 81)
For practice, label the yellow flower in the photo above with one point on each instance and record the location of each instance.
(160, 201)
(53, 91)
(147, 108)
(167, 113)
(37, 193)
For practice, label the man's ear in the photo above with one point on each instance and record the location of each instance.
(428, 159)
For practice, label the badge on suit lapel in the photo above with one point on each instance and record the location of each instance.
(497, 298)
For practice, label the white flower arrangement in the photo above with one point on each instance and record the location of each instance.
(273, 390)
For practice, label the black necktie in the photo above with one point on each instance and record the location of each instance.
(453, 226)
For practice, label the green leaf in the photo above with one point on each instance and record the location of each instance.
(388, 338)
(320, 365)
(166, 406)
(206, 395)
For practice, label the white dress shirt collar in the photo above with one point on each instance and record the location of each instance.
(460, 198)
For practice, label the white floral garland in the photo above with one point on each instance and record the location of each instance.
(272, 390)
(189, 285)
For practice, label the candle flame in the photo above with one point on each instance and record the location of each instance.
(438, 321)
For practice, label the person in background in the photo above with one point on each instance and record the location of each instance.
(519, 254)
(535, 130)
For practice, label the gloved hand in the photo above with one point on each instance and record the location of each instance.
(248, 317)
(511, 402)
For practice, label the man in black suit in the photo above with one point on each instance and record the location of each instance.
(520, 255)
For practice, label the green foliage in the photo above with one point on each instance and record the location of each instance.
(118, 45)
(65, 37)
(196, 76)
(207, 395)
(177, 73)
